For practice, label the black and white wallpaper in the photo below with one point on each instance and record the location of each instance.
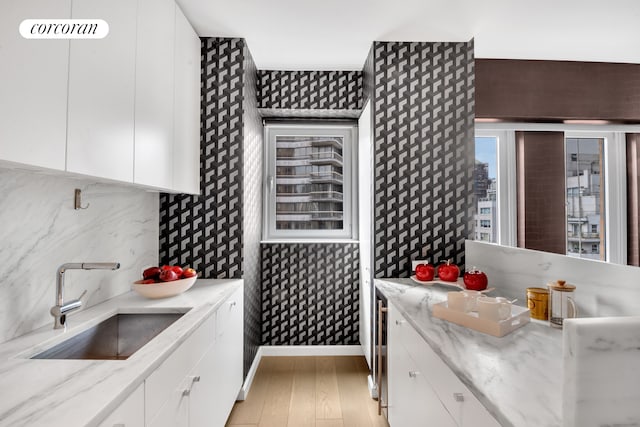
(251, 212)
(217, 232)
(206, 231)
(310, 90)
(423, 110)
(310, 294)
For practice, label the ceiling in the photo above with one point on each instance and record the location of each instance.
(337, 34)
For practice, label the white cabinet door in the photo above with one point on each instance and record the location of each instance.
(229, 352)
(174, 411)
(101, 93)
(130, 413)
(412, 400)
(33, 86)
(153, 158)
(186, 148)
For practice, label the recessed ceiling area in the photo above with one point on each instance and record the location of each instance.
(337, 34)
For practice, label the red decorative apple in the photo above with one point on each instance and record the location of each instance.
(188, 272)
(448, 272)
(475, 280)
(168, 275)
(151, 273)
(425, 272)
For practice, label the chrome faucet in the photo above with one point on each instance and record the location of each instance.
(61, 309)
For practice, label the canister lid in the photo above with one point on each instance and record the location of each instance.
(561, 286)
(538, 290)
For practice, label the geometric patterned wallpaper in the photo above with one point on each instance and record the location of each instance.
(213, 232)
(205, 231)
(315, 90)
(423, 127)
(310, 293)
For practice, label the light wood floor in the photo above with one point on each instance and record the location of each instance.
(309, 392)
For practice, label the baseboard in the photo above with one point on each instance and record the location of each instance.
(294, 350)
(244, 390)
(311, 350)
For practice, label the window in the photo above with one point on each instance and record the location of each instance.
(310, 176)
(585, 196)
(593, 169)
(485, 186)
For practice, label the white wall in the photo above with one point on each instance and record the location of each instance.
(602, 289)
(39, 230)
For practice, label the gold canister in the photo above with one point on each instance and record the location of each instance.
(538, 303)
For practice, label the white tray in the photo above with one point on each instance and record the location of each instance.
(459, 284)
(519, 317)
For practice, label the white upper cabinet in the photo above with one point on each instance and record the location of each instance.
(33, 86)
(101, 93)
(186, 148)
(153, 161)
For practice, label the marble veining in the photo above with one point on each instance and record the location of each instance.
(518, 377)
(78, 393)
(41, 230)
(602, 289)
(602, 372)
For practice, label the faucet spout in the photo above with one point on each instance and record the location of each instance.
(60, 310)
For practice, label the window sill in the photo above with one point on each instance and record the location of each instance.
(294, 241)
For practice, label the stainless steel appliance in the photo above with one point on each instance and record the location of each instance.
(380, 351)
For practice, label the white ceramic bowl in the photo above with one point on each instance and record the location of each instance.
(164, 289)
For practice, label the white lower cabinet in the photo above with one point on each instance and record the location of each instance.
(130, 413)
(198, 383)
(423, 391)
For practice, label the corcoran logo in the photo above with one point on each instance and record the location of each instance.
(64, 28)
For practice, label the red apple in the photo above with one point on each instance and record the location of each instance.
(146, 282)
(166, 267)
(177, 269)
(188, 272)
(425, 272)
(168, 276)
(475, 280)
(151, 273)
(448, 272)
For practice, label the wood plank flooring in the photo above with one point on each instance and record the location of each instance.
(327, 391)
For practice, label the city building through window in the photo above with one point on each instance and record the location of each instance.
(309, 175)
(484, 188)
(585, 197)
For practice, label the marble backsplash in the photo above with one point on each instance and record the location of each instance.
(40, 230)
(602, 289)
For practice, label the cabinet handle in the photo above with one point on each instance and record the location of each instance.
(195, 379)
(381, 311)
(400, 322)
(459, 397)
(232, 304)
(186, 392)
(413, 374)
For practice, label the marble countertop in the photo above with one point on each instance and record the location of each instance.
(518, 377)
(83, 392)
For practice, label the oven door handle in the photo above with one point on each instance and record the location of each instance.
(381, 311)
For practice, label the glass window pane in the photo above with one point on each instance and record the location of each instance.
(585, 197)
(309, 179)
(484, 186)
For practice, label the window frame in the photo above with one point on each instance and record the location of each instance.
(348, 130)
(615, 177)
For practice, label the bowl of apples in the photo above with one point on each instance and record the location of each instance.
(165, 281)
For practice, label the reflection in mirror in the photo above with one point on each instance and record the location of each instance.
(485, 189)
(585, 197)
(584, 210)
